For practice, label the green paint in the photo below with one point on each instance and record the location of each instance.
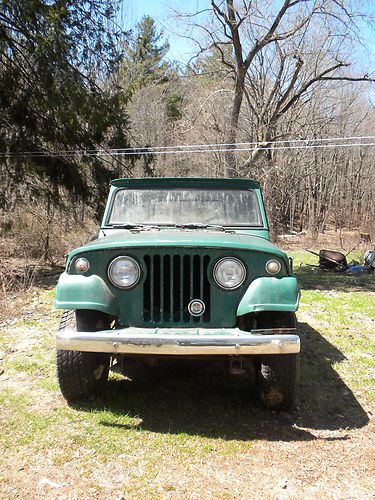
(190, 182)
(84, 292)
(270, 294)
(228, 241)
(260, 292)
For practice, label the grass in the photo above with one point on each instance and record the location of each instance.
(342, 308)
(185, 413)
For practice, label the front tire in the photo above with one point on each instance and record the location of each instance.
(277, 381)
(82, 376)
(278, 374)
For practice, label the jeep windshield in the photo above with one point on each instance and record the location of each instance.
(185, 207)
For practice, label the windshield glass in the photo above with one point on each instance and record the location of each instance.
(183, 206)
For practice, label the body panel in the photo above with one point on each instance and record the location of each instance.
(225, 240)
(84, 292)
(270, 294)
(95, 291)
(186, 182)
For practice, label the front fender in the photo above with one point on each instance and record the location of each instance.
(84, 292)
(270, 294)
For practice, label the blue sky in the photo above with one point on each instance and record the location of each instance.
(162, 11)
(182, 49)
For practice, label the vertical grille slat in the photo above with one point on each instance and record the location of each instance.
(201, 281)
(206, 289)
(171, 289)
(195, 280)
(171, 282)
(162, 289)
(167, 287)
(151, 288)
(186, 285)
(181, 289)
(155, 290)
(147, 290)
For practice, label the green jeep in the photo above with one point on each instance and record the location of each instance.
(180, 268)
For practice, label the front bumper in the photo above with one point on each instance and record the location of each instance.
(184, 341)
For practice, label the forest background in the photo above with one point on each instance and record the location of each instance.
(290, 82)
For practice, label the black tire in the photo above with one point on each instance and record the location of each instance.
(278, 374)
(277, 381)
(82, 376)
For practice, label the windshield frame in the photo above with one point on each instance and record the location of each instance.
(108, 211)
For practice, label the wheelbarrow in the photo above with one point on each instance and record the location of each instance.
(330, 260)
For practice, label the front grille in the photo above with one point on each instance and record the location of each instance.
(172, 281)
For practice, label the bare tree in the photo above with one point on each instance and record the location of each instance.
(298, 85)
(271, 60)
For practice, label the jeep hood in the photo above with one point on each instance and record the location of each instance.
(124, 239)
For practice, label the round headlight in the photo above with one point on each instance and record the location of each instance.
(81, 265)
(229, 273)
(273, 266)
(124, 272)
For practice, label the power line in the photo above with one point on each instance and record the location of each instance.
(236, 150)
(183, 146)
(256, 144)
(224, 147)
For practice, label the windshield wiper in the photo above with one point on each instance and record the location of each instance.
(127, 226)
(189, 225)
(200, 225)
(134, 226)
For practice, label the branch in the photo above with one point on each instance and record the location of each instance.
(292, 82)
(276, 84)
(223, 60)
(269, 36)
(231, 20)
(306, 86)
(201, 107)
(250, 103)
(245, 15)
(363, 78)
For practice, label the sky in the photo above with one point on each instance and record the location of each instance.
(182, 49)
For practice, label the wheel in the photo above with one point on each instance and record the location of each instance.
(277, 380)
(278, 374)
(82, 376)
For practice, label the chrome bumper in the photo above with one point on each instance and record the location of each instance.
(181, 341)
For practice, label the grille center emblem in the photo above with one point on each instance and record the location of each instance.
(196, 307)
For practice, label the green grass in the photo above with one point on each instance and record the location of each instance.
(188, 413)
(341, 308)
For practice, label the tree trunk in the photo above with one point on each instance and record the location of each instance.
(230, 156)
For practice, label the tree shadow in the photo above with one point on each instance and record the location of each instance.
(201, 398)
(326, 401)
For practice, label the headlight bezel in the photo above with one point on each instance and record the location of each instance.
(137, 266)
(219, 262)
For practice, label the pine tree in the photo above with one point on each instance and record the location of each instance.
(144, 56)
(56, 62)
